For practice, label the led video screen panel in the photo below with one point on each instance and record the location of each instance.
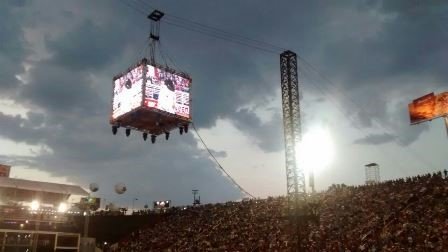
(428, 107)
(127, 92)
(4, 170)
(167, 91)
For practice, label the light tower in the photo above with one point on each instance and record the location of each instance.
(372, 173)
(196, 200)
(295, 178)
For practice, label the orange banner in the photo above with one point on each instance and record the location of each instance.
(4, 170)
(428, 107)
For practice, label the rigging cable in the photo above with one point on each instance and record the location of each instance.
(211, 32)
(219, 165)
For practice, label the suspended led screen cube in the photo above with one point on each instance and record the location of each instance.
(151, 98)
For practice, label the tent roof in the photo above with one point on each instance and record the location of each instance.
(30, 185)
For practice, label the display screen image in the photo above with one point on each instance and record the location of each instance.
(167, 91)
(127, 92)
(4, 170)
(428, 107)
(441, 108)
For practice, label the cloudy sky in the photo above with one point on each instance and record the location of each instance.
(366, 61)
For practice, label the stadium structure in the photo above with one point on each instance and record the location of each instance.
(403, 214)
(36, 216)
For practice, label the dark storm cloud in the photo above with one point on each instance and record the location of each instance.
(363, 46)
(73, 122)
(88, 46)
(268, 136)
(404, 49)
(20, 129)
(405, 39)
(376, 139)
(13, 47)
(61, 90)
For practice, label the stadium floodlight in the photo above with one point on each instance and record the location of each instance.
(62, 207)
(35, 205)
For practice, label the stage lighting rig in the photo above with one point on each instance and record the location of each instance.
(114, 129)
(153, 138)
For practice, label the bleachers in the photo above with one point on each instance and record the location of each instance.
(408, 214)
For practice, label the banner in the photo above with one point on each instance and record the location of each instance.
(4, 170)
(428, 107)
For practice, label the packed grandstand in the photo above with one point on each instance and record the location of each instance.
(408, 214)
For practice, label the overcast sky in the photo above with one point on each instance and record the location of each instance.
(57, 60)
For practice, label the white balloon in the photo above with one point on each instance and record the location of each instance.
(93, 187)
(120, 188)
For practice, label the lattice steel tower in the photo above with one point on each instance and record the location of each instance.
(295, 178)
(372, 173)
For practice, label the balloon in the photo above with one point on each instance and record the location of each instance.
(120, 188)
(93, 187)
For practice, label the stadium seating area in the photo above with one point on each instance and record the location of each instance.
(402, 215)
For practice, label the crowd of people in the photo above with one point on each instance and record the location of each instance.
(409, 214)
(231, 226)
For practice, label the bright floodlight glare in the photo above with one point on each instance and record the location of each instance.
(35, 205)
(62, 207)
(316, 151)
